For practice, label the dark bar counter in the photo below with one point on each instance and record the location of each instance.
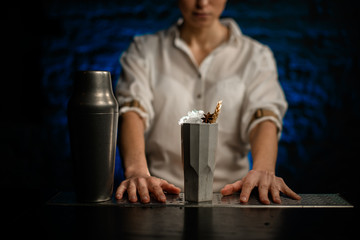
(316, 216)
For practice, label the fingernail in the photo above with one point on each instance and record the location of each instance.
(243, 199)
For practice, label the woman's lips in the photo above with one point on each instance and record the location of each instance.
(201, 14)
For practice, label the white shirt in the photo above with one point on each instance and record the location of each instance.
(160, 72)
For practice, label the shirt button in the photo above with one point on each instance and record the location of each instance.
(199, 96)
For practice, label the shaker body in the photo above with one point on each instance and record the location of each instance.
(93, 122)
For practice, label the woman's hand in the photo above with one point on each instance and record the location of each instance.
(143, 186)
(138, 180)
(265, 182)
(264, 146)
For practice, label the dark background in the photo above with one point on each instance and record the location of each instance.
(315, 43)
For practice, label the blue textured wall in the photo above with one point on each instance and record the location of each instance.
(314, 42)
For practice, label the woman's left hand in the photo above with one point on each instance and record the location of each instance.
(265, 182)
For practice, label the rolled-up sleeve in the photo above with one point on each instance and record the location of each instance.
(263, 91)
(134, 84)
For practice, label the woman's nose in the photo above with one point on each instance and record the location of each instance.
(202, 3)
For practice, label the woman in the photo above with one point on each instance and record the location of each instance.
(192, 65)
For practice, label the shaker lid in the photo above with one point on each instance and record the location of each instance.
(93, 93)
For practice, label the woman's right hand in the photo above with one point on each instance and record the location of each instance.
(142, 186)
(138, 180)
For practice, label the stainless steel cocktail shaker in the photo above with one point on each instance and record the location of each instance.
(93, 119)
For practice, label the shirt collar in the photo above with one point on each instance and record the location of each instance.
(235, 31)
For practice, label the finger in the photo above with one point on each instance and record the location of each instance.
(275, 193)
(169, 188)
(158, 193)
(287, 191)
(143, 190)
(154, 187)
(227, 190)
(245, 192)
(120, 190)
(290, 193)
(132, 192)
(231, 188)
(264, 193)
